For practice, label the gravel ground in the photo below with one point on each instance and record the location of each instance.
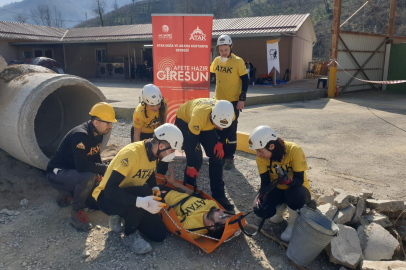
(39, 235)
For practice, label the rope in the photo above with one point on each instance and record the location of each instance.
(376, 82)
(237, 233)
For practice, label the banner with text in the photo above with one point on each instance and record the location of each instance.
(181, 54)
(272, 54)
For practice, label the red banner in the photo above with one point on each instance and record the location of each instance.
(181, 53)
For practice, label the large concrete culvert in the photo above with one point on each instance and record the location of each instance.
(38, 107)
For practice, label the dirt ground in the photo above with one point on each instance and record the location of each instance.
(38, 235)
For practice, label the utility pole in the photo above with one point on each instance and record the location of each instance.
(335, 32)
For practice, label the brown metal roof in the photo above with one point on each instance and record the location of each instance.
(13, 30)
(264, 25)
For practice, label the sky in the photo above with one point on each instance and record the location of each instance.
(3, 2)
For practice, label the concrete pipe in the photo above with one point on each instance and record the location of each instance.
(38, 107)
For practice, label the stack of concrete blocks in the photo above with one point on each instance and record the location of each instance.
(365, 229)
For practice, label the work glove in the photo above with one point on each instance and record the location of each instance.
(218, 150)
(284, 180)
(156, 192)
(192, 172)
(99, 178)
(151, 204)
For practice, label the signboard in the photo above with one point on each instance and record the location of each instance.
(272, 54)
(181, 55)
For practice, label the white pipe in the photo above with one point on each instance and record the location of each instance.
(38, 108)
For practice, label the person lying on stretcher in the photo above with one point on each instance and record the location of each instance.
(196, 214)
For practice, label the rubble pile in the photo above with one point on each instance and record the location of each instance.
(371, 230)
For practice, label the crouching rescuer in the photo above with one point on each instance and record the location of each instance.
(292, 188)
(73, 170)
(129, 190)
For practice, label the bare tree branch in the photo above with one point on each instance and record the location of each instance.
(21, 18)
(99, 8)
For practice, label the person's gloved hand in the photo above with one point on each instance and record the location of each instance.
(218, 150)
(151, 204)
(99, 178)
(284, 180)
(192, 172)
(156, 192)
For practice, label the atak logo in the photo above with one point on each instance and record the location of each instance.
(198, 35)
(165, 28)
(224, 121)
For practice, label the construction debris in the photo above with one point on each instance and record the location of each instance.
(380, 219)
(343, 200)
(376, 242)
(359, 211)
(345, 215)
(385, 205)
(328, 210)
(3, 64)
(346, 248)
(392, 265)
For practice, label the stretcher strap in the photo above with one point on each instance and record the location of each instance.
(237, 233)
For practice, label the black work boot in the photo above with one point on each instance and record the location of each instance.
(229, 164)
(63, 199)
(79, 221)
(226, 204)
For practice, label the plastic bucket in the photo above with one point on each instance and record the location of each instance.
(311, 234)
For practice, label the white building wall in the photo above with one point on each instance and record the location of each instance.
(302, 50)
(8, 52)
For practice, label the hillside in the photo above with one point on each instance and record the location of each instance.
(74, 11)
(321, 11)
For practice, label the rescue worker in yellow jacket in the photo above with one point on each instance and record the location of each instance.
(148, 115)
(198, 120)
(294, 190)
(232, 85)
(129, 190)
(199, 215)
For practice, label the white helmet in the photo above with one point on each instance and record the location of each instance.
(224, 40)
(222, 113)
(260, 136)
(171, 134)
(151, 95)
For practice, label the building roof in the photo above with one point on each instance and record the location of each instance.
(249, 26)
(14, 30)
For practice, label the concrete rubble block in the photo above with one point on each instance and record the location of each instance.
(390, 265)
(343, 200)
(359, 211)
(3, 64)
(328, 210)
(344, 215)
(346, 248)
(325, 199)
(338, 191)
(380, 219)
(385, 205)
(376, 242)
(366, 193)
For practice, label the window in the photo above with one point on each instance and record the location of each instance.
(37, 53)
(42, 52)
(100, 55)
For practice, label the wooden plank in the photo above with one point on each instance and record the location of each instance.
(362, 51)
(335, 31)
(363, 34)
(392, 15)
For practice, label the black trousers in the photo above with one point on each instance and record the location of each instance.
(135, 218)
(161, 167)
(81, 184)
(295, 198)
(231, 145)
(208, 139)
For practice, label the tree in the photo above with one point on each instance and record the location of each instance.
(115, 5)
(99, 7)
(21, 18)
(45, 15)
(133, 1)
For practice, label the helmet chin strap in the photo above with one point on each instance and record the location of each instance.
(158, 152)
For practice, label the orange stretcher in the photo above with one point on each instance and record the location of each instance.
(206, 243)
